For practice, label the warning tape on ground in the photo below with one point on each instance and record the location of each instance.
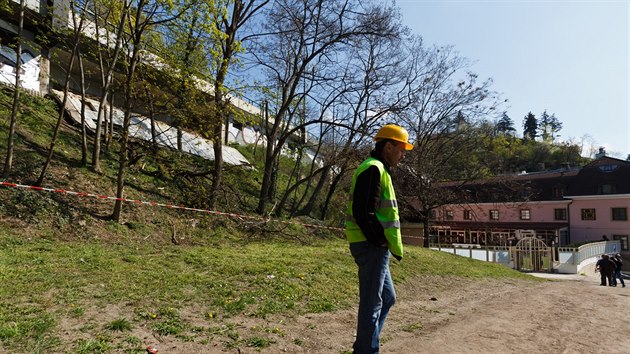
(170, 206)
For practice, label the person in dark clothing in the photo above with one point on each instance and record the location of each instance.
(606, 269)
(373, 232)
(618, 264)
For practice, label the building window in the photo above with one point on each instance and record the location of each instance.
(588, 214)
(467, 215)
(607, 189)
(608, 168)
(623, 239)
(526, 214)
(494, 215)
(449, 215)
(432, 215)
(237, 125)
(557, 192)
(560, 214)
(619, 214)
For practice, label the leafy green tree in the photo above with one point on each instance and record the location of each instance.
(141, 18)
(530, 127)
(566, 155)
(231, 18)
(199, 49)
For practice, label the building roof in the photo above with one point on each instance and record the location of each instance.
(605, 175)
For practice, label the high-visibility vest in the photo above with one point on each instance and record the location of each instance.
(386, 210)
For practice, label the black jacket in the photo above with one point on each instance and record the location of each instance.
(367, 191)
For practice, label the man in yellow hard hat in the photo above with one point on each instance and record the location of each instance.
(373, 231)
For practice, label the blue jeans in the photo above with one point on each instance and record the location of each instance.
(618, 275)
(376, 294)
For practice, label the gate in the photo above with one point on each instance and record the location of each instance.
(531, 254)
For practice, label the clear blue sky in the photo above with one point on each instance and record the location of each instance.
(568, 57)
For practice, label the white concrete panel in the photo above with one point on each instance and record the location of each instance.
(140, 128)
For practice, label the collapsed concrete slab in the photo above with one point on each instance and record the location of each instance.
(140, 128)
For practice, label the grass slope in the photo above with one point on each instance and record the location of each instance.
(64, 266)
(45, 283)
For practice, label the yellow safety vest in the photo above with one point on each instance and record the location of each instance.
(386, 210)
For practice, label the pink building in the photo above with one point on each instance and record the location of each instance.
(569, 206)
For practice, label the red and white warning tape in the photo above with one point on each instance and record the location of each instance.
(171, 206)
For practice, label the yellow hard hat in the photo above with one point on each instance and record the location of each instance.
(394, 132)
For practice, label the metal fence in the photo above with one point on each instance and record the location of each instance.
(560, 259)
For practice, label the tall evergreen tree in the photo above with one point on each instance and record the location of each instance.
(548, 126)
(530, 127)
(505, 125)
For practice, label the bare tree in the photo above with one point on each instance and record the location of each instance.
(106, 14)
(371, 84)
(447, 101)
(76, 36)
(301, 38)
(8, 162)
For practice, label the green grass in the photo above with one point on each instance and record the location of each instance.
(121, 325)
(44, 281)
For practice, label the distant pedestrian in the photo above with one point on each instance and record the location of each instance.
(618, 264)
(606, 269)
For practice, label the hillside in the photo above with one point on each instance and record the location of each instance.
(75, 281)
(155, 176)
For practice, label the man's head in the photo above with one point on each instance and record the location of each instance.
(390, 151)
(392, 141)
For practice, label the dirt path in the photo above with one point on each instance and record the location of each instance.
(567, 316)
(561, 316)
(446, 315)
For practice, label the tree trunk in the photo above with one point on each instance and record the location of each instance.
(60, 116)
(426, 228)
(293, 188)
(331, 192)
(107, 83)
(217, 175)
(110, 131)
(310, 205)
(8, 162)
(124, 143)
(84, 144)
(149, 95)
(75, 52)
(263, 197)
